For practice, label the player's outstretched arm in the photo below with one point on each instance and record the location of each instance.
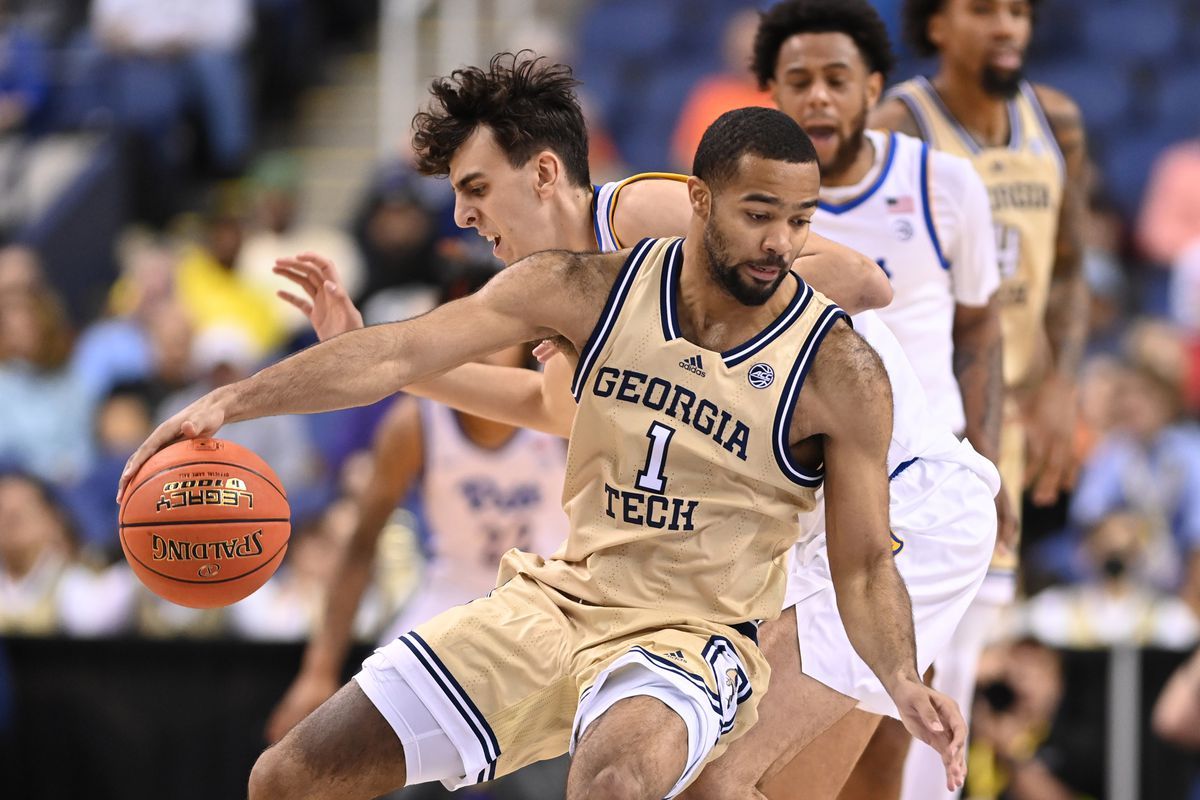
(546, 294)
(396, 459)
(844, 275)
(850, 403)
(512, 395)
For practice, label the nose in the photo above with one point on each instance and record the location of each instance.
(818, 94)
(777, 241)
(465, 215)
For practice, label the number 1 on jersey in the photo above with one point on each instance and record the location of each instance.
(651, 478)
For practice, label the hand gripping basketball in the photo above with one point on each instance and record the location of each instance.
(202, 418)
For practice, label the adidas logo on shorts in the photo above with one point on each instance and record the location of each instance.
(677, 655)
(693, 364)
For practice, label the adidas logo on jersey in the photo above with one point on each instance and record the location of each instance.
(677, 655)
(693, 364)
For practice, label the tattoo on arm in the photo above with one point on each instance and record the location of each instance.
(978, 370)
(1067, 310)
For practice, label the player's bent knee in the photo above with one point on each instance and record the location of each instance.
(618, 783)
(275, 776)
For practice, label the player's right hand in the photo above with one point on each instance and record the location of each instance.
(303, 697)
(201, 419)
(935, 719)
(328, 307)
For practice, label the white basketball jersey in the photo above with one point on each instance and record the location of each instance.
(480, 502)
(891, 220)
(918, 430)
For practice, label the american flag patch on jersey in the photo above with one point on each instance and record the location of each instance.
(901, 205)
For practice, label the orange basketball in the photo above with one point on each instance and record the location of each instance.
(204, 523)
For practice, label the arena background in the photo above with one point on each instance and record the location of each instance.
(156, 156)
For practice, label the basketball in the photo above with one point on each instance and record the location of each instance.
(204, 523)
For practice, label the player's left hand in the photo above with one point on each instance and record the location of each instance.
(934, 718)
(201, 419)
(1051, 464)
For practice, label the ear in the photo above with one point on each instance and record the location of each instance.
(874, 88)
(548, 174)
(935, 29)
(700, 197)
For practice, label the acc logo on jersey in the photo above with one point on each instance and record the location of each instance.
(903, 229)
(761, 375)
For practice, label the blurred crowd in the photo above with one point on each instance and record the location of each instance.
(1117, 562)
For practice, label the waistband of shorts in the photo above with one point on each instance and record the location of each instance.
(749, 629)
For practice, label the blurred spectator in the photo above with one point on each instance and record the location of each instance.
(1108, 285)
(46, 417)
(1177, 710)
(1017, 694)
(168, 58)
(398, 228)
(24, 77)
(277, 232)
(1116, 605)
(1149, 464)
(711, 97)
(215, 295)
(1169, 222)
(35, 548)
(123, 420)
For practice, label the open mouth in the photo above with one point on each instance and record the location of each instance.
(763, 273)
(1005, 60)
(821, 134)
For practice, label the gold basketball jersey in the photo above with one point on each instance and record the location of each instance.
(681, 489)
(1025, 181)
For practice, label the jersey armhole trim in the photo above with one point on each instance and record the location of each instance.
(608, 317)
(611, 214)
(904, 95)
(1047, 130)
(787, 403)
(927, 209)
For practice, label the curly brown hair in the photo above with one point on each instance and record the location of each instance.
(528, 102)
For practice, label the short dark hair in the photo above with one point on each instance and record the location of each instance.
(915, 16)
(763, 132)
(858, 19)
(528, 102)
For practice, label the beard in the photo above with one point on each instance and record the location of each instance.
(1003, 84)
(848, 150)
(727, 273)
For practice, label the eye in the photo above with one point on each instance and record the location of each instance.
(477, 191)
(800, 223)
(757, 216)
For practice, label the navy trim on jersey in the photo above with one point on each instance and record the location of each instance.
(747, 629)
(1047, 131)
(917, 112)
(457, 696)
(669, 312)
(787, 405)
(608, 317)
(596, 217)
(718, 644)
(933, 237)
(854, 203)
(1015, 132)
(666, 293)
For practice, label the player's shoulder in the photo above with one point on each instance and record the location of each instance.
(893, 114)
(845, 362)
(650, 204)
(1061, 111)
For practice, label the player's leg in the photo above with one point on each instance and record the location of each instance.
(636, 750)
(924, 778)
(821, 769)
(797, 711)
(342, 751)
(877, 775)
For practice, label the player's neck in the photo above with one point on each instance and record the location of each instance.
(708, 315)
(485, 432)
(984, 115)
(864, 159)
(575, 222)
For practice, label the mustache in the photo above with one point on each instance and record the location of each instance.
(777, 262)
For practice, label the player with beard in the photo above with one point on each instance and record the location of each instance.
(1027, 143)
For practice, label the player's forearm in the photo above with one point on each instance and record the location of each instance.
(330, 642)
(877, 615)
(1067, 321)
(511, 395)
(978, 368)
(845, 276)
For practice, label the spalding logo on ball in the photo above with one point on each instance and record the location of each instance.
(204, 523)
